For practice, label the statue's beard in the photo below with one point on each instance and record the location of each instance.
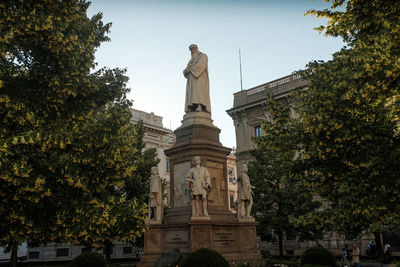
(195, 54)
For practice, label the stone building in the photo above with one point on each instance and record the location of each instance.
(249, 110)
(158, 137)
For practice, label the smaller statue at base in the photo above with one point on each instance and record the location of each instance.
(155, 202)
(198, 181)
(245, 198)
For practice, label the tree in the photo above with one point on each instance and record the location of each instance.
(278, 195)
(350, 114)
(140, 181)
(67, 146)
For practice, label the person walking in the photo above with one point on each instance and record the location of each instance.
(387, 252)
(355, 255)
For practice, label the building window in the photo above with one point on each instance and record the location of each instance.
(231, 175)
(33, 254)
(62, 252)
(128, 250)
(257, 131)
(231, 202)
(167, 164)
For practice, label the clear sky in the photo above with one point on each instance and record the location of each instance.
(150, 38)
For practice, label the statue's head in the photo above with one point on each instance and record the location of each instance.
(244, 168)
(194, 50)
(154, 170)
(196, 160)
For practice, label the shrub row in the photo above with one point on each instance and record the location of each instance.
(204, 257)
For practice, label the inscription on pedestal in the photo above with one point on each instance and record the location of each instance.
(224, 238)
(176, 239)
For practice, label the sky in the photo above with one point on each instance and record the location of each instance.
(150, 38)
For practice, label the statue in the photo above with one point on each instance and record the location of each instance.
(197, 86)
(155, 202)
(199, 182)
(245, 197)
(169, 259)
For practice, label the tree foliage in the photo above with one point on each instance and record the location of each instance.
(67, 146)
(278, 195)
(350, 114)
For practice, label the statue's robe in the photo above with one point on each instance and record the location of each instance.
(155, 191)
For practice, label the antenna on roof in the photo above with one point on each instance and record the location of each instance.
(240, 64)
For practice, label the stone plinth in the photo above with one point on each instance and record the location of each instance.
(235, 241)
(220, 231)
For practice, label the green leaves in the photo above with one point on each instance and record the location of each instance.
(279, 198)
(350, 118)
(68, 151)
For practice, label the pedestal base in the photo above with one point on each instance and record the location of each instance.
(200, 218)
(235, 241)
(151, 222)
(246, 219)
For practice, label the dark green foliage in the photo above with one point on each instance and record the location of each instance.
(204, 257)
(140, 182)
(318, 256)
(279, 197)
(350, 114)
(89, 259)
(68, 150)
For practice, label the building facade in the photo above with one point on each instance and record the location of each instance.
(158, 137)
(249, 110)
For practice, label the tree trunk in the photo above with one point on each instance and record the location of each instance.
(108, 247)
(14, 255)
(379, 246)
(280, 242)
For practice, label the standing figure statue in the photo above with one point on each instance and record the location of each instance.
(199, 182)
(155, 202)
(245, 197)
(197, 86)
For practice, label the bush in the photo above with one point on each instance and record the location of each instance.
(89, 259)
(204, 257)
(318, 256)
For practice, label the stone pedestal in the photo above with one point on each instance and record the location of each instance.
(235, 240)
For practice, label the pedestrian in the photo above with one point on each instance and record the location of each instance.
(369, 249)
(387, 252)
(355, 255)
